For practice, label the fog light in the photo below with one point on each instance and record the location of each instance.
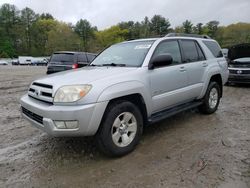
(60, 124)
(66, 124)
(71, 124)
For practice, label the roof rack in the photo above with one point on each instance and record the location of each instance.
(187, 35)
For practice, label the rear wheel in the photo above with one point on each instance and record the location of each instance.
(211, 99)
(121, 129)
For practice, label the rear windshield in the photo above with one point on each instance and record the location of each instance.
(66, 58)
(214, 48)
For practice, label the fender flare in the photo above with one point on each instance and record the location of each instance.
(126, 88)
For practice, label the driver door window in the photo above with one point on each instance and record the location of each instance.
(170, 47)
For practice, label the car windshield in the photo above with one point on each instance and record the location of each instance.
(129, 54)
(63, 57)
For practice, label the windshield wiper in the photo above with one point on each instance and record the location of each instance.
(94, 65)
(114, 65)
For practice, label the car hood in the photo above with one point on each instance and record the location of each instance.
(84, 75)
(239, 51)
(242, 60)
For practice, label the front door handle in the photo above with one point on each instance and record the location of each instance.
(182, 69)
(204, 64)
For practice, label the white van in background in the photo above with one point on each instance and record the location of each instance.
(25, 60)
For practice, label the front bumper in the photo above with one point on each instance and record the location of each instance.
(43, 115)
(238, 75)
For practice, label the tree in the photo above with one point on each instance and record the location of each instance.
(187, 26)
(129, 26)
(199, 29)
(9, 18)
(159, 25)
(46, 16)
(41, 29)
(233, 34)
(62, 38)
(212, 27)
(179, 29)
(28, 17)
(110, 36)
(84, 29)
(145, 28)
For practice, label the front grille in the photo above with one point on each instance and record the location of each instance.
(239, 71)
(43, 85)
(32, 115)
(42, 92)
(240, 65)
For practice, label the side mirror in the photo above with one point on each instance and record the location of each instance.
(160, 61)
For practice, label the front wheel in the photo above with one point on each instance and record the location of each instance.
(211, 99)
(121, 129)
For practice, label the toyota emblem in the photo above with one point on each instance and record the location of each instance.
(37, 92)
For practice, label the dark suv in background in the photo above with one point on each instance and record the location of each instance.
(239, 63)
(61, 61)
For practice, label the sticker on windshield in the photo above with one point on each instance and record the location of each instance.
(143, 46)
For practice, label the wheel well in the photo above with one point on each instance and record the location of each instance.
(136, 99)
(217, 78)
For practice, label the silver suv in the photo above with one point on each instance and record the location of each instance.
(128, 86)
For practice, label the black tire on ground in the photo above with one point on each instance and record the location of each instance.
(104, 137)
(206, 107)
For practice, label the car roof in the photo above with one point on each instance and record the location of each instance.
(72, 52)
(170, 37)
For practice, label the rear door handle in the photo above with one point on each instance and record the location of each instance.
(204, 64)
(182, 69)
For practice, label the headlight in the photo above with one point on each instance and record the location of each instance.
(71, 93)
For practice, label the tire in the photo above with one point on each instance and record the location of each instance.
(211, 99)
(120, 130)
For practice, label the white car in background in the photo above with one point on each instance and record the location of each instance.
(3, 62)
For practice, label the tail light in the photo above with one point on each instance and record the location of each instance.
(75, 66)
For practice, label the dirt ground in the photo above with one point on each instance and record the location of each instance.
(187, 150)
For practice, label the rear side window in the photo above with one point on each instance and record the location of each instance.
(171, 47)
(200, 53)
(189, 48)
(66, 58)
(214, 48)
(82, 58)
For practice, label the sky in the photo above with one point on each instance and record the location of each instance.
(105, 13)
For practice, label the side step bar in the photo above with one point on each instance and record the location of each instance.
(172, 111)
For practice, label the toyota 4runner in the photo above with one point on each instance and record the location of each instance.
(128, 86)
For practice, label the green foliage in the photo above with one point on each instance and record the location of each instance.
(62, 38)
(187, 26)
(110, 36)
(212, 28)
(23, 32)
(40, 35)
(198, 29)
(6, 49)
(46, 16)
(159, 25)
(86, 32)
(234, 34)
